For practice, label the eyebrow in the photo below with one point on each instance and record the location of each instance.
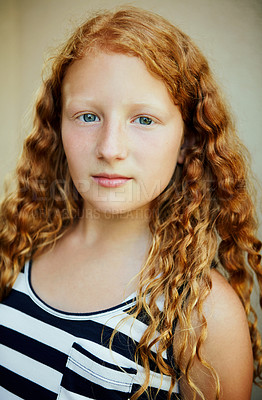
(78, 102)
(145, 104)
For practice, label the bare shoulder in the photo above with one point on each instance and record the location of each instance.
(227, 346)
(223, 306)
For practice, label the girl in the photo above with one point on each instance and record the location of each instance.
(132, 193)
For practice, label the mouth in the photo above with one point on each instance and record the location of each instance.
(110, 180)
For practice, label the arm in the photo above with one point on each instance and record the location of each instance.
(227, 347)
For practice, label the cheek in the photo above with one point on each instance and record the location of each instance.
(75, 154)
(167, 165)
(69, 138)
(74, 142)
(162, 155)
(159, 162)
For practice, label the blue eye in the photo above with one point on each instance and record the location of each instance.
(89, 117)
(144, 120)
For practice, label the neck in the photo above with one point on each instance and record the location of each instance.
(105, 228)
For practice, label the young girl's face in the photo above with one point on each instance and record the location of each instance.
(121, 132)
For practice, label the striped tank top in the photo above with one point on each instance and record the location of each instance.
(47, 354)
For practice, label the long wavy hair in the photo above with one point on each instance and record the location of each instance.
(205, 214)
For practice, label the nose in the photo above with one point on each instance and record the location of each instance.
(112, 142)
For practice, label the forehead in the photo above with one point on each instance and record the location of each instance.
(113, 74)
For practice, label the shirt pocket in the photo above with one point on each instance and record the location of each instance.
(87, 376)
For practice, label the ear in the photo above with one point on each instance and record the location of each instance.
(181, 155)
(187, 142)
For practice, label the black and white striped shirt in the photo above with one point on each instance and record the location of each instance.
(47, 354)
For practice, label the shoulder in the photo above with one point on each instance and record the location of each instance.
(223, 306)
(227, 347)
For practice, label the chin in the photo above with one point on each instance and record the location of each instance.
(108, 211)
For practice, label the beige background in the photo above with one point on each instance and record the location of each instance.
(228, 31)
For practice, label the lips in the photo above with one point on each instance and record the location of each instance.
(110, 180)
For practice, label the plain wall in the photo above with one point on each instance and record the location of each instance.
(228, 31)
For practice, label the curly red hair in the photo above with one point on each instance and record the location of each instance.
(206, 213)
